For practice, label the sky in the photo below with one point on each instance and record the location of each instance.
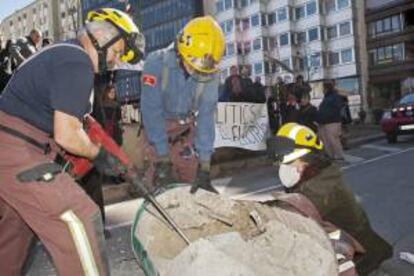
(7, 7)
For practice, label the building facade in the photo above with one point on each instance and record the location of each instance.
(57, 20)
(315, 38)
(38, 15)
(390, 43)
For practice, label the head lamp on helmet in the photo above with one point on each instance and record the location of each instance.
(127, 30)
(201, 44)
(293, 141)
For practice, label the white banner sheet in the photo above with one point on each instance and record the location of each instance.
(241, 125)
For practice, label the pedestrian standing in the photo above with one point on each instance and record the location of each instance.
(26, 46)
(257, 92)
(291, 109)
(330, 122)
(112, 115)
(179, 99)
(41, 110)
(233, 86)
(308, 113)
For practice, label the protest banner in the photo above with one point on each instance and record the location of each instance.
(241, 125)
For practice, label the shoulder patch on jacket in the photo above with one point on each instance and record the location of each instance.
(149, 80)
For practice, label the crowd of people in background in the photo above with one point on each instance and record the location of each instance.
(291, 102)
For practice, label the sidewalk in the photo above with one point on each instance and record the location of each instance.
(229, 161)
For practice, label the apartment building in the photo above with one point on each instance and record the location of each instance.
(57, 19)
(38, 15)
(390, 43)
(315, 38)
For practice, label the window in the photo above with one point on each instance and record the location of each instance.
(229, 26)
(315, 60)
(301, 38)
(300, 12)
(244, 3)
(219, 6)
(343, 4)
(311, 8)
(313, 34)
(398, 52)
(332, 32)
(333, 58)
(257, 44)
(228, 4)
(346, 56)
(263, 18)
(255, 20)
(284, 39)
(258, 68)
(239, 46)
(387, 24)
(330, 6)
(271, 18)
(396, 24)
(286, 62)
(247, 47)
(345, 28)
(230, 49)
(245, 24)
(282, 14)
(384, 26)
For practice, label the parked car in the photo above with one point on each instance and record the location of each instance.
(400, 119)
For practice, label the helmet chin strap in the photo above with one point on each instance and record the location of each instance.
(102, 51)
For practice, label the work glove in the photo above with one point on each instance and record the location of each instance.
(108, 164)
(163, 172)
(203, 180)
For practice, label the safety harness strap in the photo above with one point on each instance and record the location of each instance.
(45, 147)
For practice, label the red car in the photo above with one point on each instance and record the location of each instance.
(400, 119)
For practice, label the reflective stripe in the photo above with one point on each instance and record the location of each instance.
(335, 235)
(295, 155)
(294, 132)
(81, 241)
(346, 266)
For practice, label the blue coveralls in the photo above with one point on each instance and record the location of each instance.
(175, 109)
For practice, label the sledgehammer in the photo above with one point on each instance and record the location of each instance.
(133, 177)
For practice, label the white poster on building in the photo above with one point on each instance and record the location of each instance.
(241, 125)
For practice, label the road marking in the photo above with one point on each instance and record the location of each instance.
(353, 159)
(381, 148)
(249, 194)
(377, 158)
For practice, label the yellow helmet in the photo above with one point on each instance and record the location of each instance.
(129, 31)
(201, 44)
(293, 141)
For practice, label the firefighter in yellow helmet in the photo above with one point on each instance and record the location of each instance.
(126, 30)
(41, 110)
(179, 97)
(305, 169)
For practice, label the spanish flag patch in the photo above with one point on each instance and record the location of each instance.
(149, 80)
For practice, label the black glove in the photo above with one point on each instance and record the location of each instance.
(108, 164)
(163, 173)
(203, 180)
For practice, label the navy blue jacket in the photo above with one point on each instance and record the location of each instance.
(330, 109)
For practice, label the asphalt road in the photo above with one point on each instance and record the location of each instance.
(379, 174)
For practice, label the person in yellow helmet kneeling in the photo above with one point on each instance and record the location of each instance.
(305, 169)
(178, 101)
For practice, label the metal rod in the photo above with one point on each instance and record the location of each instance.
(133, 177)
(167, 217)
